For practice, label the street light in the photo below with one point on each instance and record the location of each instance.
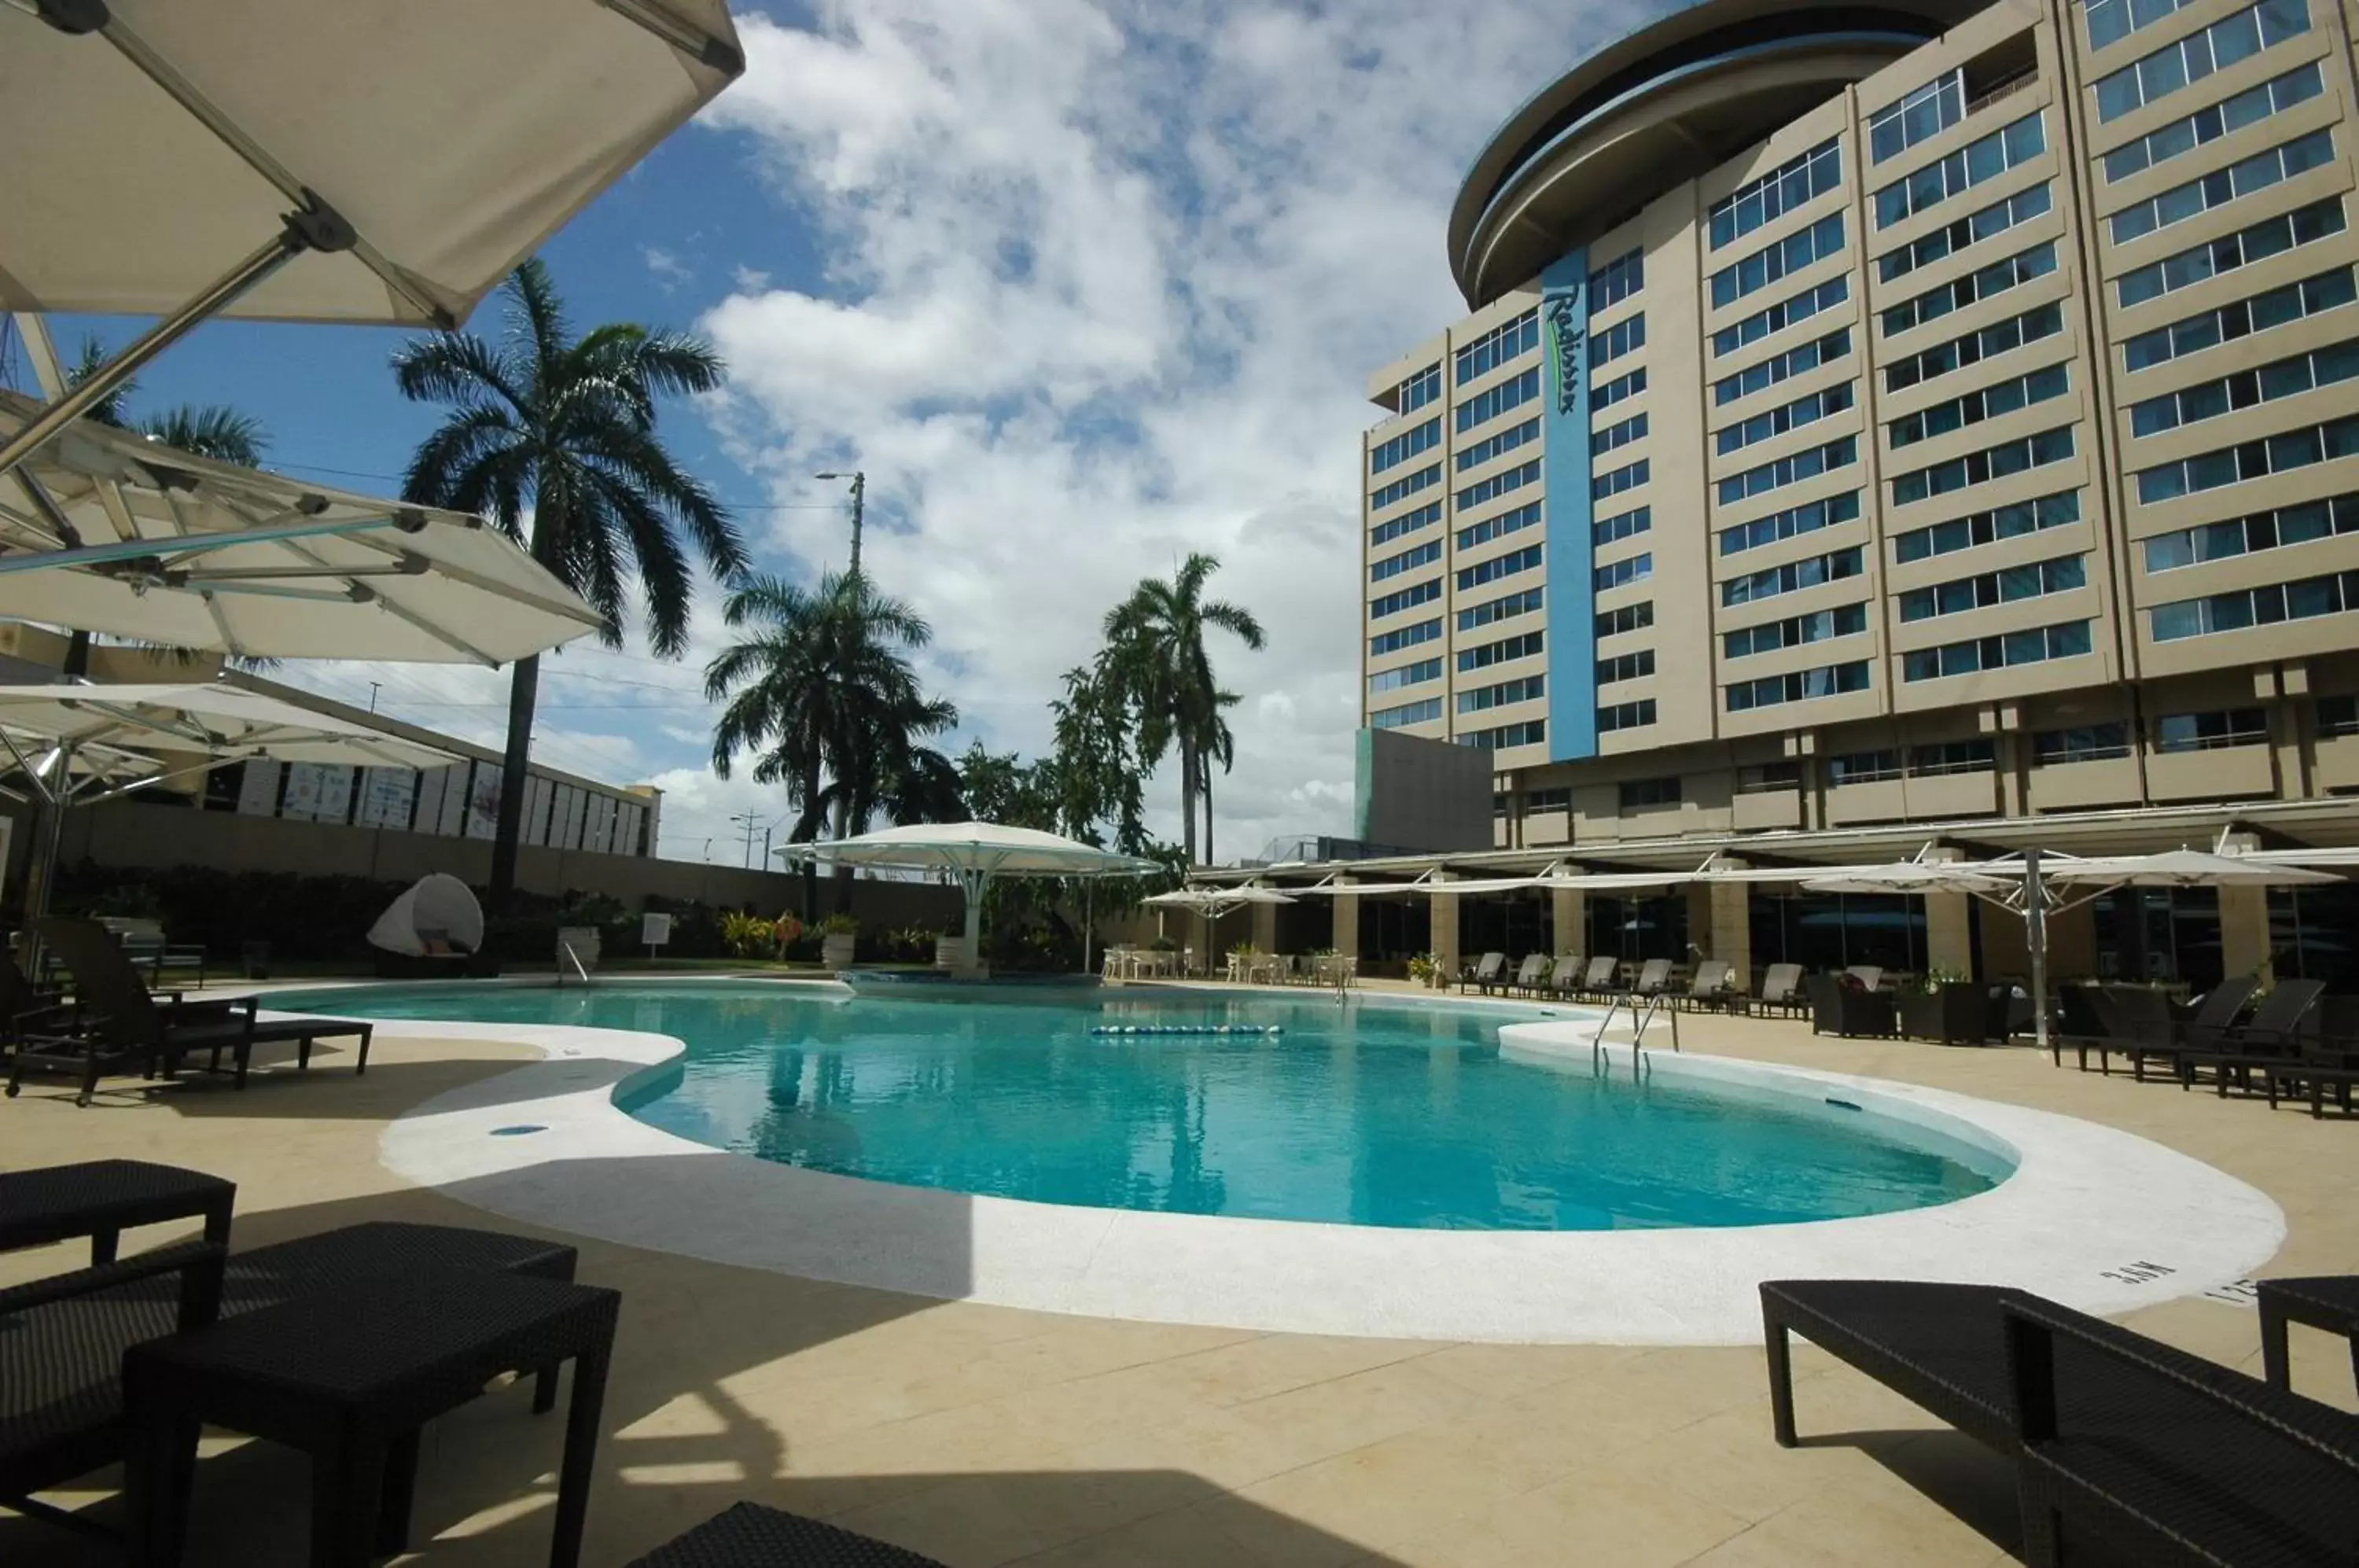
(859, 490)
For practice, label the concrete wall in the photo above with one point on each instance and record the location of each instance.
(1421, 794)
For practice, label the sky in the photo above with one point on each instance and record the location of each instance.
(1082, 287)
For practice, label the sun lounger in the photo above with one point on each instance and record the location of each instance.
(2205, 1032)
(1565, 979)
(2272, 1035)
(1486, 972)
(1781, 991)
(1654, 978)
(2132, 1020)
(1599, 980)
(1529, 974)
(1708, 987)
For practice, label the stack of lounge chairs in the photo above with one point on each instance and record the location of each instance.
(2289, 1046)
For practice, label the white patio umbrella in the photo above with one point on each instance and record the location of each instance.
(103, 530)
(1909, 876)
(1211, 902)
(79, 745)
(973, 853)
(384, 161)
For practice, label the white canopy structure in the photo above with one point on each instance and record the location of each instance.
(1909, 876)
(973, 853)
(2178, 868)
(384, 161)
(438, 907)
(103, 530)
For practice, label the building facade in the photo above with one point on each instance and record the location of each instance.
(1924, 412)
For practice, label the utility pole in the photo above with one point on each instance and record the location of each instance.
(859, 495)
(373, 687)
(749, 822)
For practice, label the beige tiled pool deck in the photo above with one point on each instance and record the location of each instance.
(985, 1435)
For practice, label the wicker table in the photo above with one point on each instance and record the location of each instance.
(749, 1536)
(102, 1198)
(348, 1376)
(2328, 1302)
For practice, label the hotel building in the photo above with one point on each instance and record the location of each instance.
(1916, 411)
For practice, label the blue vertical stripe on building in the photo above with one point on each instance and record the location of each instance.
(1572, 593)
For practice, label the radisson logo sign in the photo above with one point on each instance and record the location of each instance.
(1567, 338)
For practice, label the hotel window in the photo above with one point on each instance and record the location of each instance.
(1417, 674)
(1785, 313)
(1408, 598)
(1625, 716)
(1621, 526)
(2258, 242)
(1985, 157)
(1531, 732)
(1772, 262)
(2175, 733)
(1792, 577)
(1941, 758)
(2110, 21)
(1627, 618)
(1988, 527)
(2286, 525)
(1495, 348)
(1528, 646)
(1499, 484)
(1921, 115)
(1793, 469)
(1403, 636)
(1418, 390)
(1498, 445)
(1791, 523)
(1492, 401)
(1524, 560)
(1961, 353)
(2241, 318)
(2331, 594)
(2191, 59)
(1523, 517)
(1796, 686)
(2214, 121)
(1956, 295)
(1424, 554)
(1626, 666)
(1789, 185)
(1617, 340)
(1991, 402)
(1523, 689)
(1641, 794)
(2221, 186)
(2040, 643)
(2338, 717)
(1407, 523)
(1795, 361)
(1499, 609)
(1956, 234)
(2251, 460)
(1617, 280)
(1981, 467)
(1402, 489)
(1622, 574)
(1770, 779)
(1536, 800)
(1981, 592)
(1795, 631)
(1615, 481)
(1770, 422)
(1418, 712)
(2246, 388)
(1403, 446)
(2086, 743)
(1605, 394)
(1619, 434)
(1863, 768)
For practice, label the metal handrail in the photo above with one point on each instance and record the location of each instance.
(1640, 1024)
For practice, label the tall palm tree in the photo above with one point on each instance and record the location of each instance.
(822, 689)
(1155, 648)
(553, 438)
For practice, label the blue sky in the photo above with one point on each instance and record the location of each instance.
(1081, 286)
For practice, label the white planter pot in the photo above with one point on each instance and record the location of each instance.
(950, 953)
(835, 950)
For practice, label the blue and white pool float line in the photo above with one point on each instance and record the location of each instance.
(1187, 1028)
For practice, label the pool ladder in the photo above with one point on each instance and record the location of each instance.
(1658, 1001)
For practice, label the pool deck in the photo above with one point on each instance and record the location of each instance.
(986, 1434)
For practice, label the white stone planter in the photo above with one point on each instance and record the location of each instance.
(950, 953)
(835, 950)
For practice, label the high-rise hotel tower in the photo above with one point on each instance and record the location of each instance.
(1903, 410)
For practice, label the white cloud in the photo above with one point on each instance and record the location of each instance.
(670, 271)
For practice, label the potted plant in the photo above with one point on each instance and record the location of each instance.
(839, 935)
(1425, 969)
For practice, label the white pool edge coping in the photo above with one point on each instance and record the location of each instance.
(2095, 1217)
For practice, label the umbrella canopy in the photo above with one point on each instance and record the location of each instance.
(2180, 868)
(216, 724)
(370, 160)
(987, 849)
(104, 530)
(1910, 876)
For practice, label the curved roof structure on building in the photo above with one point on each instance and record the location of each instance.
(1658, 107)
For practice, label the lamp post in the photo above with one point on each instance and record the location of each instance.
(859, 493)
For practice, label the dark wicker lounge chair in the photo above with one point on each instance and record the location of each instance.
(2272, 1035)
(2213, 1018)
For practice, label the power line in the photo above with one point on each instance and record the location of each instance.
(732, 505)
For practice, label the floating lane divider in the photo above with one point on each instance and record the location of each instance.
(1187, 1029)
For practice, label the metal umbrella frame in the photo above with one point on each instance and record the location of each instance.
(1211, 903)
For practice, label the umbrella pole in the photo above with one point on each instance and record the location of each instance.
(1089, 919)
(976, 882)
(2035, 930)
(41, 870)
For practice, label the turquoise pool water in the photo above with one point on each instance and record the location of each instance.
(1377, 1115)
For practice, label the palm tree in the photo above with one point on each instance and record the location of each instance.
(553, 438)
(824, 690)
(1155, 649)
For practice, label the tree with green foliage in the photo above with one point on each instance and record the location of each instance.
(552, 438)
(210, 429)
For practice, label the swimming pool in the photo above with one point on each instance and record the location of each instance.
(1384, 1114)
